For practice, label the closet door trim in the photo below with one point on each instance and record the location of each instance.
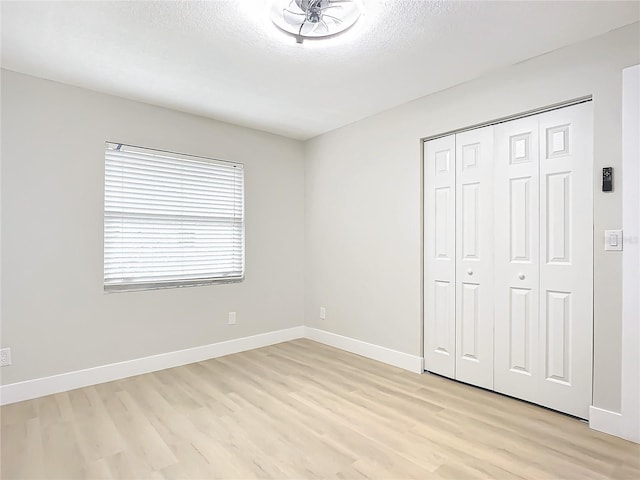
(497, 121)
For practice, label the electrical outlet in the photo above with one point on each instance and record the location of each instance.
(323, 313)
(232, 318)
(5, 357)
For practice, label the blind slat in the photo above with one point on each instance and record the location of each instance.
(155, 178)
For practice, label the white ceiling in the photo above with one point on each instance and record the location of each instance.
(225, 60)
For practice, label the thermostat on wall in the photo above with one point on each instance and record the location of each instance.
(607, 179)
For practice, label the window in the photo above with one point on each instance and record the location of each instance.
(171, 220)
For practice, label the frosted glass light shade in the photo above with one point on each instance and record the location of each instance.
(313, 19)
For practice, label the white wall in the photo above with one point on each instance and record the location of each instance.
(55, 316)
(363, 198)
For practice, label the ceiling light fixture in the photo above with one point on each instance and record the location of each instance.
(314, 19)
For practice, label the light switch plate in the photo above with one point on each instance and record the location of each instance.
(613, 240)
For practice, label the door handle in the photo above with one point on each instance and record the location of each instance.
(521, 276)
(469, 272)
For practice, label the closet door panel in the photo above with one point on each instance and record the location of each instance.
(516, 262)
(439, 255)
(520, 330)
(566, 273)
(474, 257)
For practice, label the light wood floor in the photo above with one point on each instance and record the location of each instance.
(299, 410)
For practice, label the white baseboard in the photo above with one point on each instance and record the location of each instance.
(605, 421)
(613, 423)
(369, 350)
(39, 387)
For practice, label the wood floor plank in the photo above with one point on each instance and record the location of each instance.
(23, 454)
(62, 456)
(299, 410)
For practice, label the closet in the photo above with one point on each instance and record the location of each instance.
(508, 247)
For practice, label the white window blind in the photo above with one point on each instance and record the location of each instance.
(171, 219)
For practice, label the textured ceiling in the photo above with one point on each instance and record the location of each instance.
(225, 60)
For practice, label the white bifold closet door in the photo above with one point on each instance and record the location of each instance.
(517, 247)
(439, 255)
(474, 257)
(458, 256)
(543, 259)
(508, 267)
